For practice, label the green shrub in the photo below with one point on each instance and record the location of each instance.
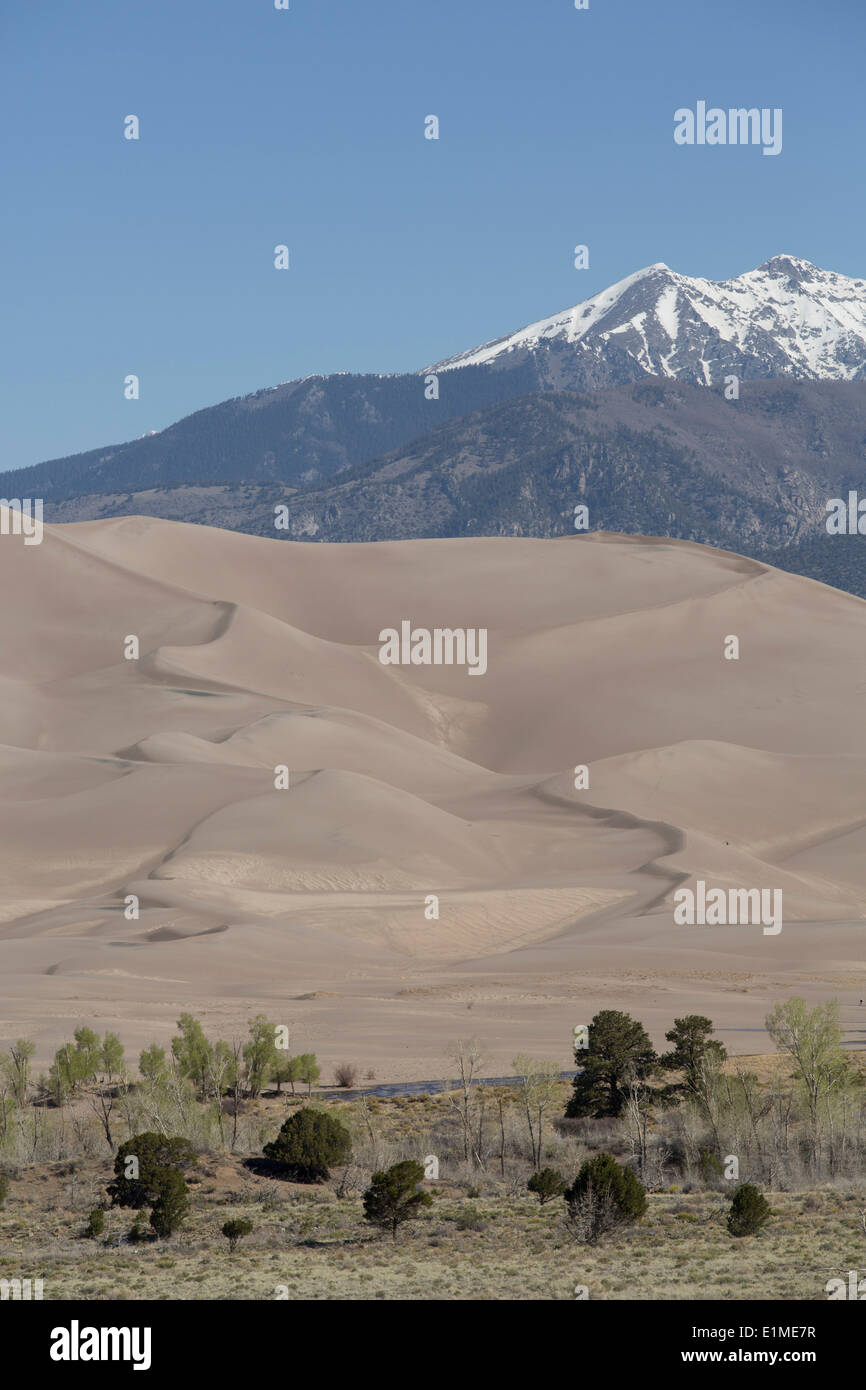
(394, 1196)
(604, 1195)
(139, 1162)
(4, 1188)
(750, 1210)
(137, 1231)
(95, 1224)
(547, 1184)
(172, 1201)
(468, 1219)
(309, 1144)
(236, 1230)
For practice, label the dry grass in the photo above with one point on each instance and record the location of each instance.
(497, 1245)
(492, 1247)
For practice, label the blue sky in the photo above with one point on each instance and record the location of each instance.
(306, 127)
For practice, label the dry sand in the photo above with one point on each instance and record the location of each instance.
(155, 778)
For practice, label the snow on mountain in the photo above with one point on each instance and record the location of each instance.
(787, 318)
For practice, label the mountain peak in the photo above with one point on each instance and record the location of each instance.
(793, 266)
(787, 318)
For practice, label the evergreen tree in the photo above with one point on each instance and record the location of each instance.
(394, 1196)
(749, 1211)
(546, 1184)
(309, 1143)
(172, 1201)
(140, 1161)
(619, 1051)
(604, 1195)
(95, 1224)
(693, 1048)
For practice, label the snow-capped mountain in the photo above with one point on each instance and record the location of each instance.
(787, 318)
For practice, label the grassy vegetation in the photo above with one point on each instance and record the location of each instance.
(691, 1128)
(498, 1244)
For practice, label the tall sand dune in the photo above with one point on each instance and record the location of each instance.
(431, 851)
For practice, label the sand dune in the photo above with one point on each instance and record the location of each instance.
(408, 785)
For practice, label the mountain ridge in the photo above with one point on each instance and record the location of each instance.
(610, 402)
(711, 328)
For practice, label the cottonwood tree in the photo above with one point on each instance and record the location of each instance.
(193, 1053)
(170, 1103)
(462, 1097)
(112, 1057)
(812, 1038)
(238, 1079)
(286, 1070)
(757, 1104)
(308, 1070)
(539, 1092)
(105, 1097)
(151, 1063)
(635, 1117)
(75, 1064)
(261, 1056)
(501, 1094)
(221, 1075)
(15, 1068)
(103, 1102)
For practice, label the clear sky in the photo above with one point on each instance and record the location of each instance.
(306, 127)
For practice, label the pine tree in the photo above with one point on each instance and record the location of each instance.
(693, 1048)
(619, 1050)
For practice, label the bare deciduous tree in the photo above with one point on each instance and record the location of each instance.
(539, 1091)
(467, 1057)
